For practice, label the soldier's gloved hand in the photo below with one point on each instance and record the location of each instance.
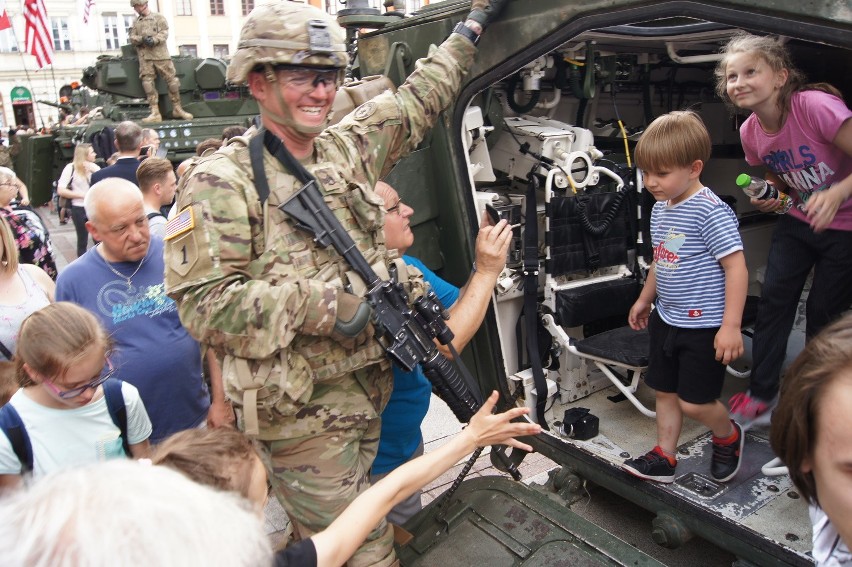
(352, 327)
(149, 41)
(486, 11)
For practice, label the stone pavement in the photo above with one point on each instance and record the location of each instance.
(63, 236)
(439, 426)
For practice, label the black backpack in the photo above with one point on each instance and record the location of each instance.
(13, 426)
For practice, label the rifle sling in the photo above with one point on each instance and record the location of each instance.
(530, 310)
(265, 139)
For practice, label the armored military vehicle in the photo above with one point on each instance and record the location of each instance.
(114, 93)
(558, 95)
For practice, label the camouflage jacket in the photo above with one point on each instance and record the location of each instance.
(153, 25)
(259, 291)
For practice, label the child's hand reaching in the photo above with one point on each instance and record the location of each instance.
(498, 429)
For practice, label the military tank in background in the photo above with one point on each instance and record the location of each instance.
(112, 91)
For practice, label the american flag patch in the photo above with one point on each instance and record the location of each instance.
(184, 221)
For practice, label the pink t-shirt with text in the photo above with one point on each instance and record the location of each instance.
(802, 152)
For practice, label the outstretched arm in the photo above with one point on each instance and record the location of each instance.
(492, 245)
(339, 541)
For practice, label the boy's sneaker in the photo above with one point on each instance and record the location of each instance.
(727, 457)
(653, 465)
(749, 411)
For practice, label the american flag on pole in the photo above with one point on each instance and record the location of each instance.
(87, 9)
(4, 17)
(37, 31)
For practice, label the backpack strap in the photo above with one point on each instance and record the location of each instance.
(4, 350)
(117, 409)
(13, 427)
(155, 214)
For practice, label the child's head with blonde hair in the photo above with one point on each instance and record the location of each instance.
(55, 339)
(222, 458)
(676, 139)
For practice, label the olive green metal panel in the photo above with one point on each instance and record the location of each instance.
(501, 523)
(34, 166)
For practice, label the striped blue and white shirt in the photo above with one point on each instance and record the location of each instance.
(689, 240)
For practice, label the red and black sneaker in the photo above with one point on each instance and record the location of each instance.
(653, 465)
(727, 456)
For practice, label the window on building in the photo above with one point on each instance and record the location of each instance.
(332, 6)
(184, 7)
(61, 39)
(111, 35)
(248, 6)
(188, 50)
(7, 41)
(128, 23)
(220, 50)
(217, 7)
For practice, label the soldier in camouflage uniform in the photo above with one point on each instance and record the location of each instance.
(149, 34)
(295, 348)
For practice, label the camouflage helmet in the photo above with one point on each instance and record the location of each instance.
(288, 33)
(134, 3)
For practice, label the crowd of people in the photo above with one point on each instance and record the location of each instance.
(189, 307)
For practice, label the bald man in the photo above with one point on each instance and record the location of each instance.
(120, 280)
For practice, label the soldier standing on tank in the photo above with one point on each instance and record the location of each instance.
(296, 350)
(149, 34)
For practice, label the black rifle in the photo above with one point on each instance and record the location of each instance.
(406, 334)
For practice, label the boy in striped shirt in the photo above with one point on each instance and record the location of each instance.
(699, 280)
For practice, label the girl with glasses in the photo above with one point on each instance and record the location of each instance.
(61, 365)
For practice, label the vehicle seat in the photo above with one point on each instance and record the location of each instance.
(574, 299)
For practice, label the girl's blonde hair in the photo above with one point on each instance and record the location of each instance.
(81, 153)
(55, 338)
(220, 457)
(774, 54)
(8, 249)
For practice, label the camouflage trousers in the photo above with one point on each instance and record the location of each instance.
(319, 453)
(150, 68)
(316, 477)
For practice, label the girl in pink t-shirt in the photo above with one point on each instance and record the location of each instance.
(802, 134)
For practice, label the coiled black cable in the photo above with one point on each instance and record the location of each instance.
(609, 216)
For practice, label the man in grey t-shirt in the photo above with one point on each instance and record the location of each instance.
(158, 183)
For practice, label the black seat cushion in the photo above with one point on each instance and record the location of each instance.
(622, 345)
(586, 304)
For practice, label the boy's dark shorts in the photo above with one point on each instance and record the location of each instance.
(683, 362)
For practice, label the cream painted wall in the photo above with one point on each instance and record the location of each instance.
(88, 41)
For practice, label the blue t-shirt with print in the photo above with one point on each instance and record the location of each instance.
(153, 351)
(409, 400)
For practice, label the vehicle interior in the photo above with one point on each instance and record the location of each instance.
(552, 129)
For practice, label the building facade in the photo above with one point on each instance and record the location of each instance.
(202, 28)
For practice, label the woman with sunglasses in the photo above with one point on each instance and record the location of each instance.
(61, 363)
